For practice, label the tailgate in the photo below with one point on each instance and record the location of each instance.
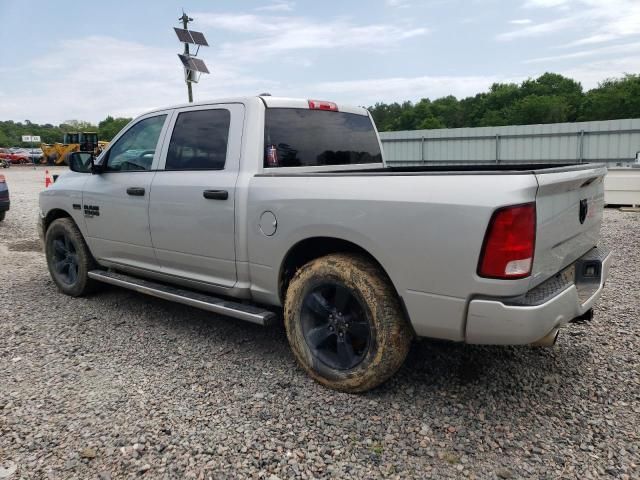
(569, 206)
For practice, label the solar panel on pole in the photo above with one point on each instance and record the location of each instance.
(193, 66)
(198, 65)
(185, 60)
(192, 63)
(198, 38)
(183, 35)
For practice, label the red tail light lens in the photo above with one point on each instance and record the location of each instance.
(2, 179)
(509, 243)
(321, 105)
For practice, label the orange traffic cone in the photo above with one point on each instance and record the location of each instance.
(47, 179)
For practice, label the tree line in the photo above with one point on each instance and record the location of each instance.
(11, 132)
(550, 98)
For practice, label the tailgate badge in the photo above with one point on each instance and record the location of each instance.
(584, 209)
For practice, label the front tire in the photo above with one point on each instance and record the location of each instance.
(68, 258)
(345, 324)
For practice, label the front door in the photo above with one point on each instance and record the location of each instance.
(116, 201)
(192, 203)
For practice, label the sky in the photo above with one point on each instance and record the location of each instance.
(84, 60)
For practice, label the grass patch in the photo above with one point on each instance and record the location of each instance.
(377, 449)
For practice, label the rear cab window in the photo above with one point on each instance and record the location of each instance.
(297, 137)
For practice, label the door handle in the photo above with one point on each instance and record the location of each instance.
(136, 191)
(215, 194)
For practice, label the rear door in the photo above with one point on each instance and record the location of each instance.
(192, 203)
(569, 206)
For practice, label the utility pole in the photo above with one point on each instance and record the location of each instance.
(185, 20)
(193, 66)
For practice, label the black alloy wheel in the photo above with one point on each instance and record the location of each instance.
(65, 259)
(68, 258)
(335, 326)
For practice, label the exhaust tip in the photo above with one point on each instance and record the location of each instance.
(549, 340)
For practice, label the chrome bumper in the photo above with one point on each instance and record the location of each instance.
(554, 303)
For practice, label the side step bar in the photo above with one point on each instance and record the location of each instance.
(203, 301)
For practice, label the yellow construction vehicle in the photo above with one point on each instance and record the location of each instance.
(58, 153)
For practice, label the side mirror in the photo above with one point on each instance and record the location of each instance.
(81, 162)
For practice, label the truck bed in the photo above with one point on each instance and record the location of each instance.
(425, 225)
(503, 168)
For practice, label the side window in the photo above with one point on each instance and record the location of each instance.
(199, 140)
(135, 149)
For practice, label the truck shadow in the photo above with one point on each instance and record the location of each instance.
(462, 365)
(432, 365)
(436, 374)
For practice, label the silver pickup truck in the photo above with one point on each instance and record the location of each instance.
(251, 206)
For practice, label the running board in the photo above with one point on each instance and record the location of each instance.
(203, 301)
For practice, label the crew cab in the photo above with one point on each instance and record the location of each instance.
(253, 206)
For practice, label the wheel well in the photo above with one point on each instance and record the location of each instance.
(54, 214)
(311, 248)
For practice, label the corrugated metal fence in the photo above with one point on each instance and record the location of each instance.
(614, 141)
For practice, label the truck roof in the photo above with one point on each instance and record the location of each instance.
(269, 101)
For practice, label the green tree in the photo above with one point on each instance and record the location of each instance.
(502, 95)
(539, 109)
(492, 118)
(448, 111)
(78, 126)
(614, 98)
(109, 127)
(554, 85)
(473, 109)
(430, 123)
(549, 98)
(4, 140)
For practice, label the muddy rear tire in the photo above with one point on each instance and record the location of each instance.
(345, 324)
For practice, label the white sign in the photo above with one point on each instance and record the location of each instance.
(30, 138)
(26, 138)
(35, 138)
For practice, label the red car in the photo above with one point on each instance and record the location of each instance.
(14, 157)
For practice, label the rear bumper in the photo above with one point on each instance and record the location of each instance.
(4, 205)
(529, 318)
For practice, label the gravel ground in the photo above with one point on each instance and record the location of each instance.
(119, 385)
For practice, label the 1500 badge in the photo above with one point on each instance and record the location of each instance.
(91, 211)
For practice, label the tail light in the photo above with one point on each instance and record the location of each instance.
(3, 179)
(509, 243)
(321, 105)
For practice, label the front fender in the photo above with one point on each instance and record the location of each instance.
(65, 195)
